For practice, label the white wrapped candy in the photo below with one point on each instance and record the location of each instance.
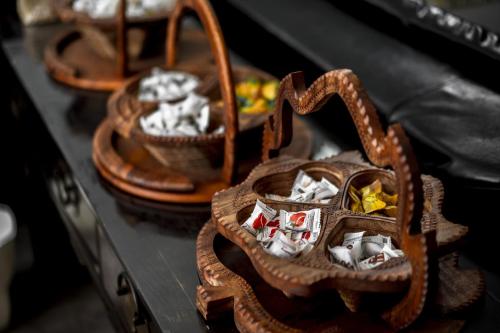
(188, 117)
(166, 86)
(361, 252)
(260, 216)
(100, 9)
(306, 189)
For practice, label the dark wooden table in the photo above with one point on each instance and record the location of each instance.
(150, 246)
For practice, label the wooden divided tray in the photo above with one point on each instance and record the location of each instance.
(230, 285)
(398, 289)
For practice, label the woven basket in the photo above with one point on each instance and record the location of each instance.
(194, 155)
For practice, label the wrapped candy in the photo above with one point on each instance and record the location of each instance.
(188, 117)
(371, 199)
(259, 218)
(99, 9)
(289, 234)
(256, 96)
(166, 86)
(306, 189)
(359, 252)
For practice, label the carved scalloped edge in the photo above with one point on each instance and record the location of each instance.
(346, 84)
(249, 315)
(217, 280)
(475, 286)
(434, 195)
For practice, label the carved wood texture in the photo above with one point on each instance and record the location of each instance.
(384, 149)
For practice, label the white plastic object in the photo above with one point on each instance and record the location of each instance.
(7, 235)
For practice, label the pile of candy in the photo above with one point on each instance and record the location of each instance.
(373, 200)
(306, 189)
(256, 96)
(286, 235)
(188, 117)
(166, 86)
(360, 252)
(135, 8)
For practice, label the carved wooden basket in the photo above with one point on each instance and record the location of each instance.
(203, 153)
(419, 229)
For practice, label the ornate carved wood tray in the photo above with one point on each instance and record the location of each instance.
(230, 285)
(419, 228)
(87, 58)
(131, 168)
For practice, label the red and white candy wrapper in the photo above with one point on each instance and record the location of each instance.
(385, 254)
(308, 220)
(289, 235)
(260, 216)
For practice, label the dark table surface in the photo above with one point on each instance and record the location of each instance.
(158, 248)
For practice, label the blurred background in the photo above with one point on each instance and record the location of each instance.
(431, 65)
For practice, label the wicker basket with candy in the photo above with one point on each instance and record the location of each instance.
(138, 112)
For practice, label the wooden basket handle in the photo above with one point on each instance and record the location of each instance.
(209, 21)
(122, 40)
(383, 150)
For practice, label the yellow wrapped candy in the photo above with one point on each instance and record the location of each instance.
(371, 199)
(248, 89)
(259, 105)
(372, 203)
(270, 90)
(255, 95)
(355, 200)
(375, 187)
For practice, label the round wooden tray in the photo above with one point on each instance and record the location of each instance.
(71, 59)
(66, 14)
(131, 168)
(230, 285)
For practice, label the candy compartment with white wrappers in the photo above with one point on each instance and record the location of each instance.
(316, 183)
(357, 243)
(108, 8)
(282, 233)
